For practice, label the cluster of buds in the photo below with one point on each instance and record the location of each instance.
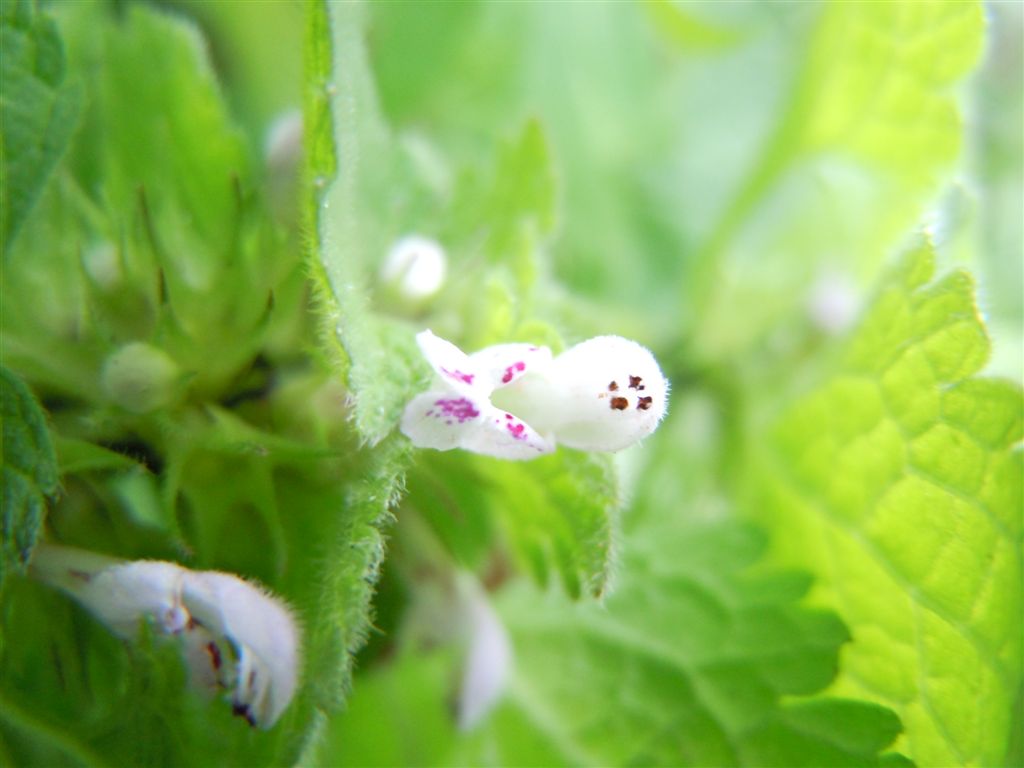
(236, 638)
(517, 401)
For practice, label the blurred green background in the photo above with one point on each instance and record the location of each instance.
(735, 185)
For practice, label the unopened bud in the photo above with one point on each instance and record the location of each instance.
(416, 267)
(140, 378)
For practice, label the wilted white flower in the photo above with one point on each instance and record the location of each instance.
(514, 401)
(488, 659)
(415, 266)
(452, 608)
(235, 636)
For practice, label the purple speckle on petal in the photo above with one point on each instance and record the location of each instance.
(458, 408)
(517, 430)
(465, 378)
(510, 371)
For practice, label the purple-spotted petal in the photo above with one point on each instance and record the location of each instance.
(451, 364)
(503, 364)
(442, 420)
(507, 437)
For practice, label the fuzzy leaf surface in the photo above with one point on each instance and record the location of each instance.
(29, 467)
(897, 482)
(38, 111)
(557, 514)
(686, 664)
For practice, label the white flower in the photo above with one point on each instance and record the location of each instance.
(514, 401)
(415, 266)
(451, 608)
(236, 637)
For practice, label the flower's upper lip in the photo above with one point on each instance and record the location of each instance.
(482, 372)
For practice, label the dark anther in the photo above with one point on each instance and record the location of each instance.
(636, 382)
(214, 652)
(619, 403)
(644, 403)
(242, 710)
(613, 387)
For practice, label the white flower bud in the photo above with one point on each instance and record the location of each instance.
(416, 267)
(514, 401)
(283, 145)
(283, 152)
(103, 265)
(833, 303)
(235, 636)
(140, 378)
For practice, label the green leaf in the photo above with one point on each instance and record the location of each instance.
(382, 361)
(189, 191)
(29, 468)
(134, 242)
(686, 28)
(81, 456)
(348, 581)
(870, 133)
(38, 111)
(896, 481)
(337, 592)
(191, 217)
(497, 228)
(559, 514)
(556, 515)
(692, 661)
